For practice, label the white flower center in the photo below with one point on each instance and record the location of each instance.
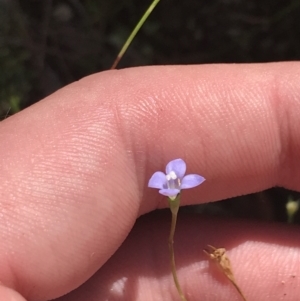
(173, 181)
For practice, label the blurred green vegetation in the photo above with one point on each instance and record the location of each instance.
(47, 44)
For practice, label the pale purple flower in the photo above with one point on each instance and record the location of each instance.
(171, 182)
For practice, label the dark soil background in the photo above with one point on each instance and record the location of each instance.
(46, 44)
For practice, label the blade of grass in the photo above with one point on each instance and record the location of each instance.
(134, 32)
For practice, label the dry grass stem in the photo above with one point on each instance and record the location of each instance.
(219, 256)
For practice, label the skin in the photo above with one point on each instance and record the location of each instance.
(74, 173)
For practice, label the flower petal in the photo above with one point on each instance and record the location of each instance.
(190, 181)
(158, 180)
(169, 192)
(178, 166)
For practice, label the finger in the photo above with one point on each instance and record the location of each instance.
(74, 166)
(264, 259)
(8, 294)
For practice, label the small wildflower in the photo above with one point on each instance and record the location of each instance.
(171, 182)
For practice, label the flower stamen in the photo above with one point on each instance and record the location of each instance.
(173, 182)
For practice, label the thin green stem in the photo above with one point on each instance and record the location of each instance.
(134, 32)
(174, 206)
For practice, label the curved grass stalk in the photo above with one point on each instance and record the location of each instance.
(134, 32)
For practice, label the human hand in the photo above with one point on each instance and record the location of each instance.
(75, 169)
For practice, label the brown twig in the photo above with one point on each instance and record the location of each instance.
(220, 257)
